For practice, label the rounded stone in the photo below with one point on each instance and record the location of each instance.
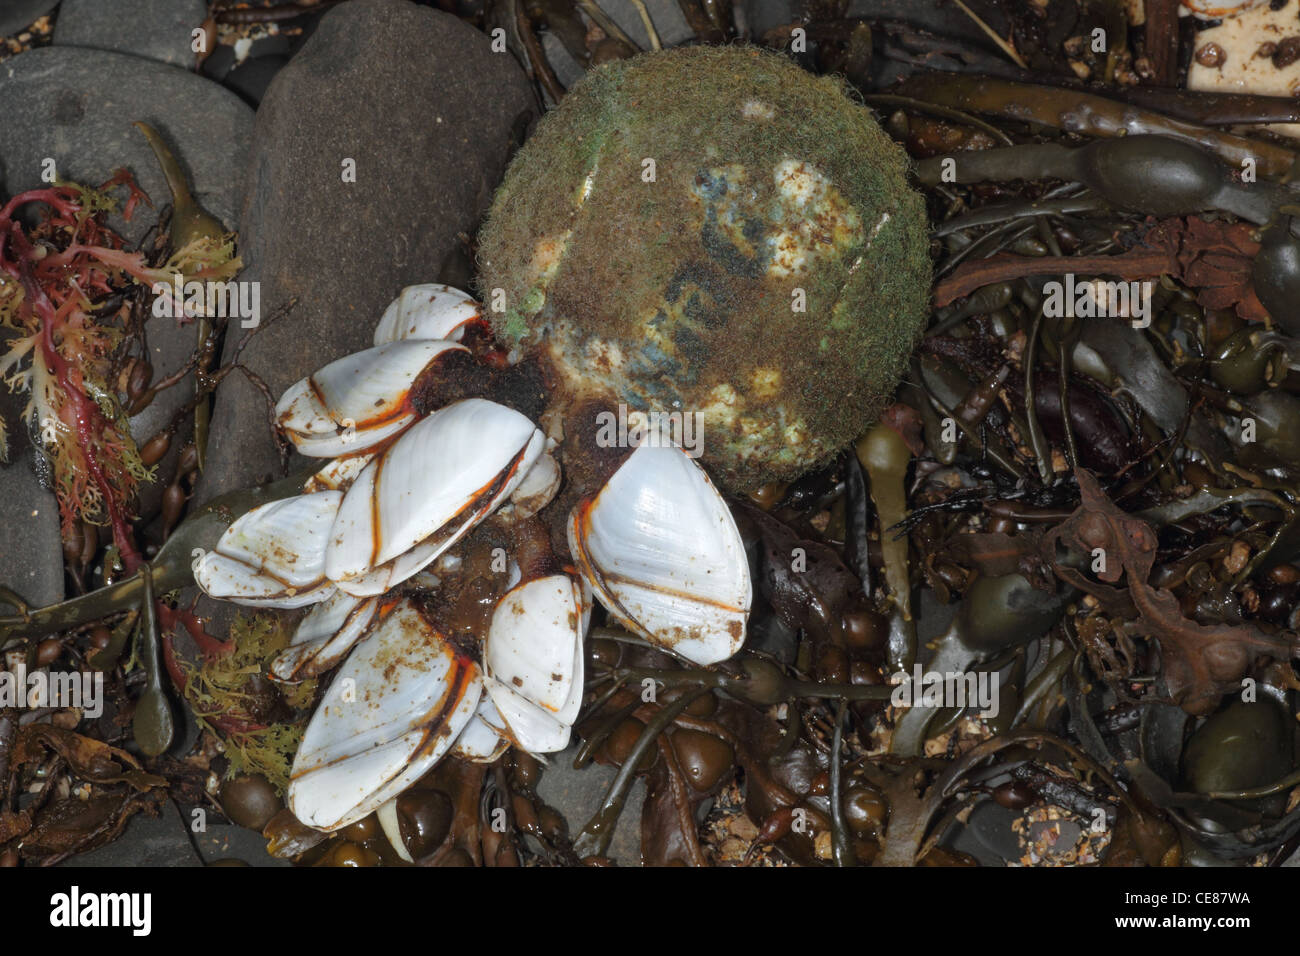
(714, 231)
(17, 14)
(159, 30)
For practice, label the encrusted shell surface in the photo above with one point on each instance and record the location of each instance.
(715, 231)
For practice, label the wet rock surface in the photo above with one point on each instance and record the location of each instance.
(226, 842)
(578, 795)
(16, 14)
(170, 839)
(155, 29)
(146, 841)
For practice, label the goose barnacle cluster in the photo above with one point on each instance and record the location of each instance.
(656, 545)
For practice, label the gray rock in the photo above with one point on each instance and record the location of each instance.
(17, 14)
(77, 106)
(147, 841)
(156, 29)
(31, 560)
(988, 835)
(221, 841)
(578, 795)
(429, 114)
